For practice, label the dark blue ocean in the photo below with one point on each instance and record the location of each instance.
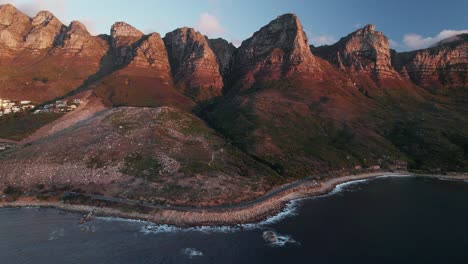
(385, 220)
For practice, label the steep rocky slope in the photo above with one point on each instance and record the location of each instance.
(195, 66)
(160, 154)
(290, 115)
(444, 65)
(307, 122)
(141, 75)
(224, 52)
(13, 26)
(41, 59)
(365, 50)
(288, 112)
(280, 50)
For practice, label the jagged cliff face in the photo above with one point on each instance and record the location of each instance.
(445, 65)
(13, 26)
(151, 52)
(224, 52)
(141, 73)
(45, 29)
(41, 58)
(365, 50)
(76, 38)
(123, 38)
(195, 66)
(277, 51)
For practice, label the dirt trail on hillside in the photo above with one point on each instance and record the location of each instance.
(89, 106)
(4, 140)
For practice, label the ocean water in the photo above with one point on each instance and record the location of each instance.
(384, 220)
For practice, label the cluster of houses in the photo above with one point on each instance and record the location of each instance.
(60, 106)
(5, 146)
(17, 106)
(11, 106)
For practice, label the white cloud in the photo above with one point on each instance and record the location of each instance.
(394, 44)
(357, 25)
(209, 25)
(415, 41)
(322, 40)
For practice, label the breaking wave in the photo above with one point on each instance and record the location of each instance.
(192, 252)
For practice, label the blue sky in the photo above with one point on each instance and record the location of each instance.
(409, 24)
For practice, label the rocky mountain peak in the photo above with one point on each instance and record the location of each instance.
(124, 35)
(224, 52)
(75, 37)
(13, 26)
(151, 52)
(78, 28)
(365, 50)
(368, 29)
(8, 14)
(42, 18)
(194, 64)
(443, 65)
(122, 29)
(278, 50)
(46, 28)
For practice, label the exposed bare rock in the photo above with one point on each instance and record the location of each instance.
(278, 50)
(194, 64)
(151, 52)
(123, 39)
(224, 52)
(13, 26)
(75, 37)
(365, 50)
(124, 34)
(46, 28)
(445, 65)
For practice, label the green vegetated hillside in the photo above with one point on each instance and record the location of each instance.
(298, 130)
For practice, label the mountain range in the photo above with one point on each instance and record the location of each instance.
(188, 119)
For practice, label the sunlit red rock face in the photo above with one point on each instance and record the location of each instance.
(279, 50)
(46, 28)
(41, 59)
(142, 73)
(444, 65)
(365, 50)
(13, 26)
(195, 67)
(365, 57)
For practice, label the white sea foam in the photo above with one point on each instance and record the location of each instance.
(281, 240)
(393, 176)
(289, 210)
(342, 186)
(192, 252)
(56, 234)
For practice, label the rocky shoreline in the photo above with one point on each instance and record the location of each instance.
(229, 217)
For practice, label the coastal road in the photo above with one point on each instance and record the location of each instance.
(276, 192)
(281, 190)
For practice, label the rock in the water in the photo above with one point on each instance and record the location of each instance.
(270, 236)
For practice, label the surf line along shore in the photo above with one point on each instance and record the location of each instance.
(249, 212)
